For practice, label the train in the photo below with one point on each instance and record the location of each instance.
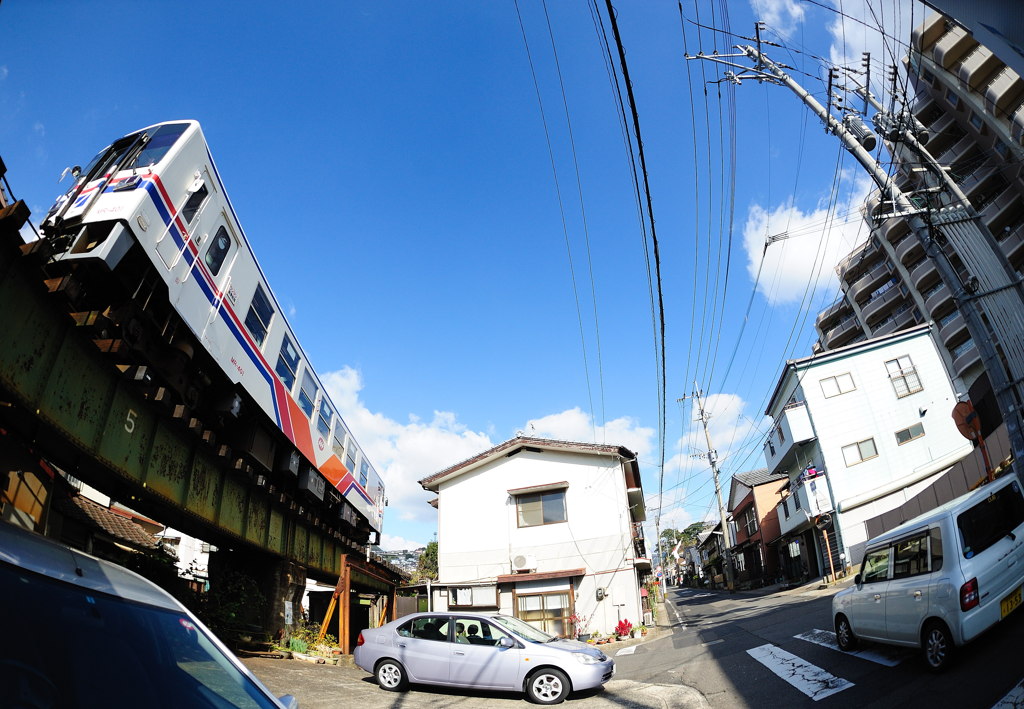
(148, 241)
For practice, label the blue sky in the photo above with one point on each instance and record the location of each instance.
(460, 249)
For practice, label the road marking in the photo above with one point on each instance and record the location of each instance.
(626, 651)
(1014, 698)
(810, 679)
(890, 657)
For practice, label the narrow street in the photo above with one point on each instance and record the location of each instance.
(745, 650)
(724, 651)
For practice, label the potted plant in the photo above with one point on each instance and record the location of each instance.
(623, 629)
(643, 629)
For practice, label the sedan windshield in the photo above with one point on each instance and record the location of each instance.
(523, 629)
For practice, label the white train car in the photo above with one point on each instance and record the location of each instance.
(189, 295)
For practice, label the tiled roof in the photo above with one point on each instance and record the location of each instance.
(753, 478)
(114, 524)
(524, 442)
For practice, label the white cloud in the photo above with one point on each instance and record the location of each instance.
(781, 16)
(815, 242)
(855, 31)
(4, 73)
(403, 453)
(577, 425)
(389, 542)
(39, 129)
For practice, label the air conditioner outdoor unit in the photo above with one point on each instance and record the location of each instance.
(524, 562)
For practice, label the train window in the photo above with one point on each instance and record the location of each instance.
(287, 363)
(260, 314)
(160, 142)
(339, 443)
(218, 250)
(350, 460)
(326, 413)
(364, 473)
(307, 393)
(193, 203)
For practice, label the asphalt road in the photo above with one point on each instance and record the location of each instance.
(717, 639)
(717, 650)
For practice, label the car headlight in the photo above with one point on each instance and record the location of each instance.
(585, 659)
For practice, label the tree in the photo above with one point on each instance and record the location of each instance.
(690, 534)
(426, 566)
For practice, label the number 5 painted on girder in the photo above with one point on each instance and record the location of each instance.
(129, 422)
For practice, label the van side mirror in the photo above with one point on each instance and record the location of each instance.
(506, 642)
(856, 580)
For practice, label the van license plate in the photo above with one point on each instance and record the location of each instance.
(1010, 602)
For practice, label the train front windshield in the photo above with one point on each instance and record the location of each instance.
(160, 141)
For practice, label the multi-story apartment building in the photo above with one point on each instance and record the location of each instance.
(858, 433)
(973, 107)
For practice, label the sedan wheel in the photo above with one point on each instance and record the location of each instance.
(845, 638)
(548, 686)
(391, 676)
(937, 646)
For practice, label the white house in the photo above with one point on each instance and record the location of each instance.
(543, 530)
(860, 430)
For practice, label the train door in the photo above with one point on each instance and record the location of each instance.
(177, 246)
(217, 254)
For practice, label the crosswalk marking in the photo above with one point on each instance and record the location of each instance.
(1014, 698)
(810, 679)
(626, 651)
(890, 657)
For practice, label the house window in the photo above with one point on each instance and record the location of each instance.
(750, 521)
(976, 121)
(903, 376)
(796, 498)
(839, 384)
(909, 434)
(323, 423)
(953, 99)
(466, 596)
(260, 314)
(785, 508)
(548, 611)
(541, 508)
(859, 452)
(287, 363)
(307, 393)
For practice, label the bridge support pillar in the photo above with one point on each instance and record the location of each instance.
(240, 578)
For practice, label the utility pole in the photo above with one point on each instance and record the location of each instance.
(713, 460)
(990, 299)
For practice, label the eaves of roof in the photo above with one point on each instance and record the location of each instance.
(514, 445)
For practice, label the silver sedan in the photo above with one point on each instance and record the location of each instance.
(480, 651)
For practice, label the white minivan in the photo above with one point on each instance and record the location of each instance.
(941, 579)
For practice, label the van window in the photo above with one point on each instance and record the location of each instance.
(936, 549)
(911, 557)
(876, 566)
(991, 519)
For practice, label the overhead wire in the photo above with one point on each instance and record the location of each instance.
(583, 215)
(561, 204)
